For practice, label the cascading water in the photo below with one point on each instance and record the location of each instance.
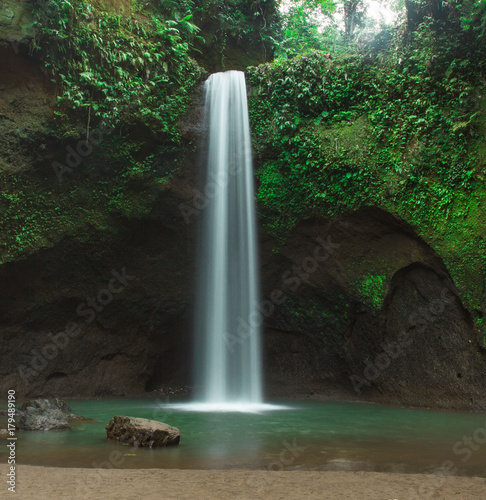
(228, 354)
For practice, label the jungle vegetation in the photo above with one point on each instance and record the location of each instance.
(347, 109)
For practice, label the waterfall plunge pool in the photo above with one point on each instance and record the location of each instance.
(309, 435)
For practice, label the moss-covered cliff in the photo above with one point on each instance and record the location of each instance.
(99, 113)
(402, 129)
(370, 171)
(382, 151)
(94, 103)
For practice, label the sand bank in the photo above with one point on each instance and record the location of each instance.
(41, 483)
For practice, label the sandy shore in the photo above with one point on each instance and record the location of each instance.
(59, 484)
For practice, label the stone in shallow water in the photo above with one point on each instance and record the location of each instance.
(45, 415)
(36, 419)
(142, 432)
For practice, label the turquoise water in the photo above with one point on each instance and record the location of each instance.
(309, 436)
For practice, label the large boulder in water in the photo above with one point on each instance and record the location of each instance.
(142, 432)
(36, 419)
(45, 415)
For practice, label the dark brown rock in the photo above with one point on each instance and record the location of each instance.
(142, 432)
(377, 318)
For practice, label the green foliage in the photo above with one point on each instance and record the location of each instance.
(472, 16)
(37, 213)
(421, 158)
(115, 68)
(481, 332)
(33, 217)
(132, 73)
(302, 28)
(234, 31)
(300, 177)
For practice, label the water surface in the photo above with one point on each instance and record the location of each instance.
(309, 436)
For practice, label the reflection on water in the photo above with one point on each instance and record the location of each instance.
(308, 436)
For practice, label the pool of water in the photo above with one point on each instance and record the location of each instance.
(306, 435)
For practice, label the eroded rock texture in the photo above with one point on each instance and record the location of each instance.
(142, 432)
(370, 310)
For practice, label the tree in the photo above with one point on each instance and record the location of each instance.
(353, 12)
(304, 24)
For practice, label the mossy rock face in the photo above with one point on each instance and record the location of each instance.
(119, 208)
(16, 21)
(329, 139)
(406, 213)
(367, 308)
(60, 238)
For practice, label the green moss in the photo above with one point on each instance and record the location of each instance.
(116, 181)
(131, 73)
(373, 289)
(113, 67)
(481, 332)
(35, 218)
(332, 136)
(349, 136)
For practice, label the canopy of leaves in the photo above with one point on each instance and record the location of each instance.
(401, 128)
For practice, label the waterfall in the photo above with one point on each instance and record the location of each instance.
(228, 323)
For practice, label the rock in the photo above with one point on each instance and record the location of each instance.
(3, 434)
(36, 419)
(45, 415)
(16, 21)
(142, 432)
(52, 404)
(47, 404)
